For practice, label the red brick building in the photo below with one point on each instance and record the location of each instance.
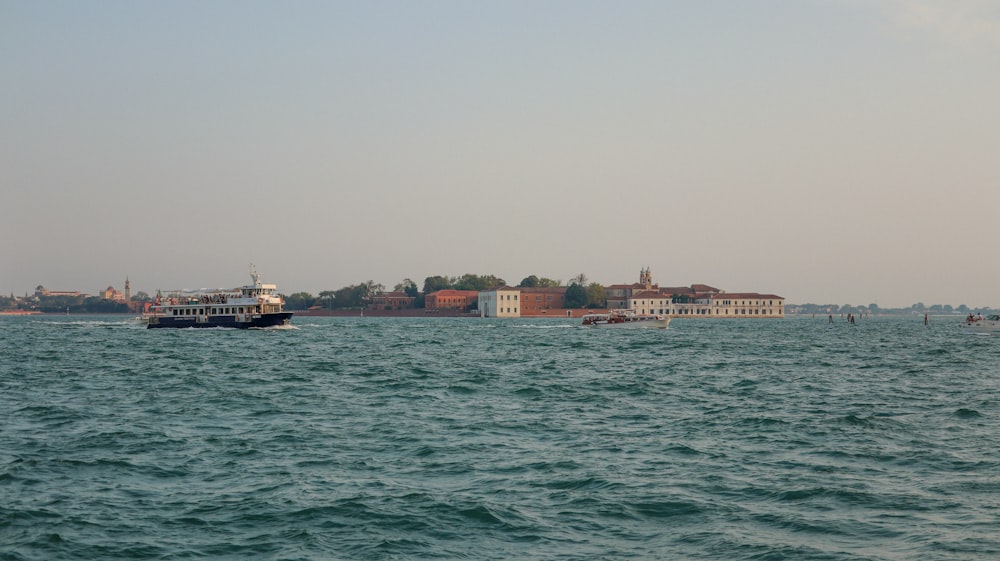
(538, 300)
(449, 299)
(392, 301)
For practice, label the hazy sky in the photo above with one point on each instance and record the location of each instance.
(830, 151)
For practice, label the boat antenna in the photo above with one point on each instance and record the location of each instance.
(254, 274)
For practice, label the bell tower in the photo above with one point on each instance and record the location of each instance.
(128, 291)
(646, 278)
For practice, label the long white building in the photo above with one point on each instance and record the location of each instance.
(715, 305)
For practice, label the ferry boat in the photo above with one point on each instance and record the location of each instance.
(252, 305)
(626, 318)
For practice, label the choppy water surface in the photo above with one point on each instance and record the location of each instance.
(370, 438)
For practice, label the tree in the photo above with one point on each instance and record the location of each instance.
(299, 301)
(59, 304)
(529, 282)
(97, 305)
(534, 281)
(141, 297)
(370, 288)
(328, 297)
(435, 283)
(580, 279)
(408, 286)
(597, 297)
(469, 281)
(576, 296)
(349, 297)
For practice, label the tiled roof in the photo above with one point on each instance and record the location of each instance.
(745, 296)
(703, 288)
(451, 292)
(650, 294)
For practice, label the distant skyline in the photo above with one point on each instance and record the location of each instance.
(829, 151)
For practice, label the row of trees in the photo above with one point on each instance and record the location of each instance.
(62, 304)
(579, 294)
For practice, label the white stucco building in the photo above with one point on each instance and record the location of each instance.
(503, 302)
(716, 305)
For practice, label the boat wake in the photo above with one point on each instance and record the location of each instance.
(288, 327)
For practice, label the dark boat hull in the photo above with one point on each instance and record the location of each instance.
(262, 320)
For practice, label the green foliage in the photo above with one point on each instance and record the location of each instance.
(528, 282)
(576, 296)
(299, 301)
(74, 305)
(407, 286)
(534, 281)
(435, 283)
(60, 304)
(328, 297)
(371, 288)
(597, 297)
(469, 281)
(95, 305)
(350, 297)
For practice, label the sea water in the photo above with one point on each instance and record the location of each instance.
(372, 438)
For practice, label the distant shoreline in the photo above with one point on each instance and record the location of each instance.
(426, 313)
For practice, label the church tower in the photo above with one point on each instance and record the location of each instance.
(646, 278)
(128, 291)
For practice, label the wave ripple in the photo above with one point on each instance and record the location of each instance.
(371, 438)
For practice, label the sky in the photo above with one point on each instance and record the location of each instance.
(828, 151)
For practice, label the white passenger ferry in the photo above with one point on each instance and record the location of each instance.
(252, 305)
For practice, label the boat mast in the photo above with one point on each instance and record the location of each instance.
(254, 275)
